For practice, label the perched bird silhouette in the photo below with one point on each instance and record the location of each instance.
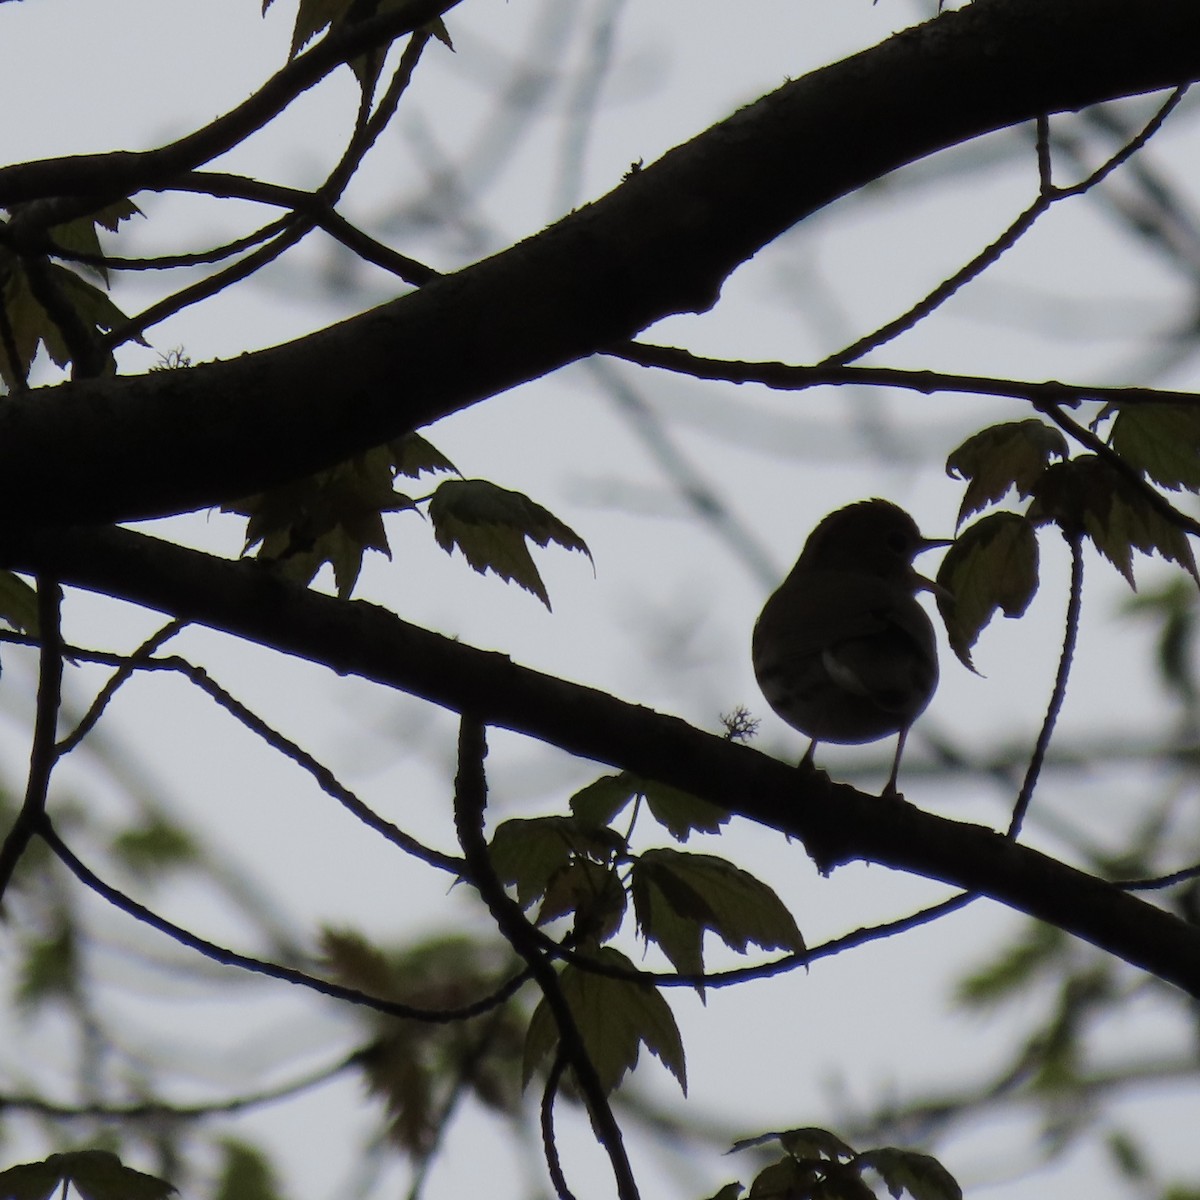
(842, 650)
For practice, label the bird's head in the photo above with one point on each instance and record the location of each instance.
(872, 537)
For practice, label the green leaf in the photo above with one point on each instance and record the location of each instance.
(332, 517)
(154, 847)
(1011, 455)
(50, 969)
(490, 526)
(311, 17)
(677, 896)
(992, 566)
(529, 851)
(596, 805)
(679, 812)
(1128, 1156)
(1086, 495)
(1162, 440)
(18, 603)
(82, 237)
(246, 1173)
(32, 326)
(1013, 969)
(412, 456)
(616, 1017)
(920, 1175)
(731, 1191)
(803, 1143)
(784, 1179)
(592, 892)
(95, 1175)
(93, 305)
(437, 27)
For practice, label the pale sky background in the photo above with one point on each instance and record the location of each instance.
(665, 619)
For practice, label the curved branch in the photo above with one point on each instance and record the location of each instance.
(43, 754)
(836, 823)
(97, 178)
(662, 243)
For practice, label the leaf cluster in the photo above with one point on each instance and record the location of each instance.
(1107, 496)
(44, 303)
(94, 1174)
(819, 1165)
(582, 868)
(419, 1069)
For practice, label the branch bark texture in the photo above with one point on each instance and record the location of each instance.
(662, 242)
(836, 823)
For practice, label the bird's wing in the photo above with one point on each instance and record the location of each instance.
(813, 614)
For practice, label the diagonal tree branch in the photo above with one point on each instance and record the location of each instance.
(836, 823)
(661, 243)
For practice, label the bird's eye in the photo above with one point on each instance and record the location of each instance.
(898, 543)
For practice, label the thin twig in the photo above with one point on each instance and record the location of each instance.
(43, 754)
(230, 958)
(1059, 692)
(470, 801)
(158, 1109)
(549, 1144)
(122, 675)
(1048, 196)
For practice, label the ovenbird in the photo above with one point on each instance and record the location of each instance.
(842, 650)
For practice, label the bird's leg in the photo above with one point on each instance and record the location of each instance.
(807, 760)
(890, 788)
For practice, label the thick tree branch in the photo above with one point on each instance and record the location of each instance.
(661, 243)
(836, 823)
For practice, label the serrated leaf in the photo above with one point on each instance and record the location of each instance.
(92, 303)
(806, 1142)
(1162, 440)
(920, 1175)
(731, 1191)
(32, 326)
(353, 960)
(246, 1173)
(437, 27)
(82, 237)
(680, 812)
(678, 896)
(1011, 455)
(29, 1181)
(27, 321)
(596, 805)
(1086, 495)
(418, 1068)
(783, 1179)
(413, 455)
(94, 1174)
(528, 852)
(991, 567)
(18, 604)
(311, 17)
(589, 891)
(616, 1017)
(332, 517)
(490, 525)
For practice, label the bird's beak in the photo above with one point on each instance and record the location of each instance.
(920, 583)
(935, 589)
